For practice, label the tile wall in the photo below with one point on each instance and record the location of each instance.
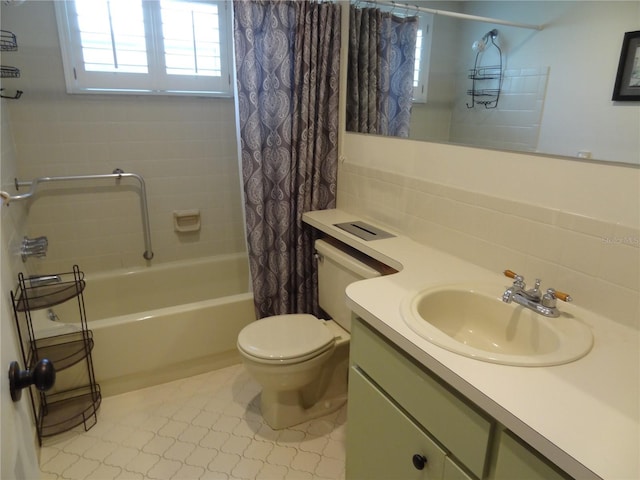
(12, 215)
(207, 426)
(515, 122)
(19, 459)
(184, 148)
(596, 261)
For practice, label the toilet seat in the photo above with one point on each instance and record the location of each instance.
(285, 339)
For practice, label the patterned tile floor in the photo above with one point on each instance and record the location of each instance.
(202, 427)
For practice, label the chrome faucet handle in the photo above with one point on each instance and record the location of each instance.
(34, 247)
(549, 298)
(518, 280)
(552, 293)
(35, 241)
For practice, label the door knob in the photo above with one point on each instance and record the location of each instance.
(43, 376)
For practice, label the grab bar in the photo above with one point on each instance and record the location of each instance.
(117, 174)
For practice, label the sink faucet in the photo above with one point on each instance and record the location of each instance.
(533, 299)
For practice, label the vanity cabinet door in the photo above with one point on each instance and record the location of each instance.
(453, 471)
(515, 459)
(382, 441)
(457, 425)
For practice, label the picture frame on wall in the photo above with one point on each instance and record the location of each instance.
(627, 86)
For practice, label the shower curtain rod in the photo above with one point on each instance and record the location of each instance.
(462, 16)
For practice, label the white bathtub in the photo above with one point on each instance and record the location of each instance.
(160, 323)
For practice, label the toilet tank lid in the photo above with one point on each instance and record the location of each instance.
(284, 337)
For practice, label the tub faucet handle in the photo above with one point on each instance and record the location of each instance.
(34, 242)
(34, 247)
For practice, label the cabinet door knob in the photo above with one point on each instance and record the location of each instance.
(419, 461)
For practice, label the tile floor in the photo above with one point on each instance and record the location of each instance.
(202, 427)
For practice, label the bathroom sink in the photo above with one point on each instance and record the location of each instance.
(475, 322)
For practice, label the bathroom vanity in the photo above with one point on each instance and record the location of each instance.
(417, 410)
(422, 425)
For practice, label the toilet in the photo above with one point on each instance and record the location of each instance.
(301, 361)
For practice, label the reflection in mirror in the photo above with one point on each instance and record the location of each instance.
(551, 94)
(382, 52)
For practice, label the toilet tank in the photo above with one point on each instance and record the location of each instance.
(336, 269)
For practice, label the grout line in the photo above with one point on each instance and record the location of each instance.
(207, 426)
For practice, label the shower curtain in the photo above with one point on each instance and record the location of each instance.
(380, 74)
(287, 62)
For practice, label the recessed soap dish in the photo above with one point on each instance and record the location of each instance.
(364, 230)
(186, 220)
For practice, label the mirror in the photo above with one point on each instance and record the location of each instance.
(557, 83)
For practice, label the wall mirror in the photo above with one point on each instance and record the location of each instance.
(498, 86)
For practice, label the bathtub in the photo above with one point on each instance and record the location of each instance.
(160, 323)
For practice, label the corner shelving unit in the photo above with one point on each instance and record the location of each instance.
(9, 43)
(63, 410)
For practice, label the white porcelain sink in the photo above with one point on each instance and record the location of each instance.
(476, 323)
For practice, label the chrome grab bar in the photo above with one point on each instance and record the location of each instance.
(117, 174)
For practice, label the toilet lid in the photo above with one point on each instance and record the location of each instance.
(285, 337)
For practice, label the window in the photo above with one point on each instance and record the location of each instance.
(167, 47)
(423, 51)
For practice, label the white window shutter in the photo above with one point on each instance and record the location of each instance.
(147, 47)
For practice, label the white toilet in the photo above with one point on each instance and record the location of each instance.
(302, 362)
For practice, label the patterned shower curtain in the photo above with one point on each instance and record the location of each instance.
(380, 75)
(363, 70)
(287, 61)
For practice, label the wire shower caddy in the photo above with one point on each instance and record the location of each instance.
(486, 80)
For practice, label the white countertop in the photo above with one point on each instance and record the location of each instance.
(584, 416)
